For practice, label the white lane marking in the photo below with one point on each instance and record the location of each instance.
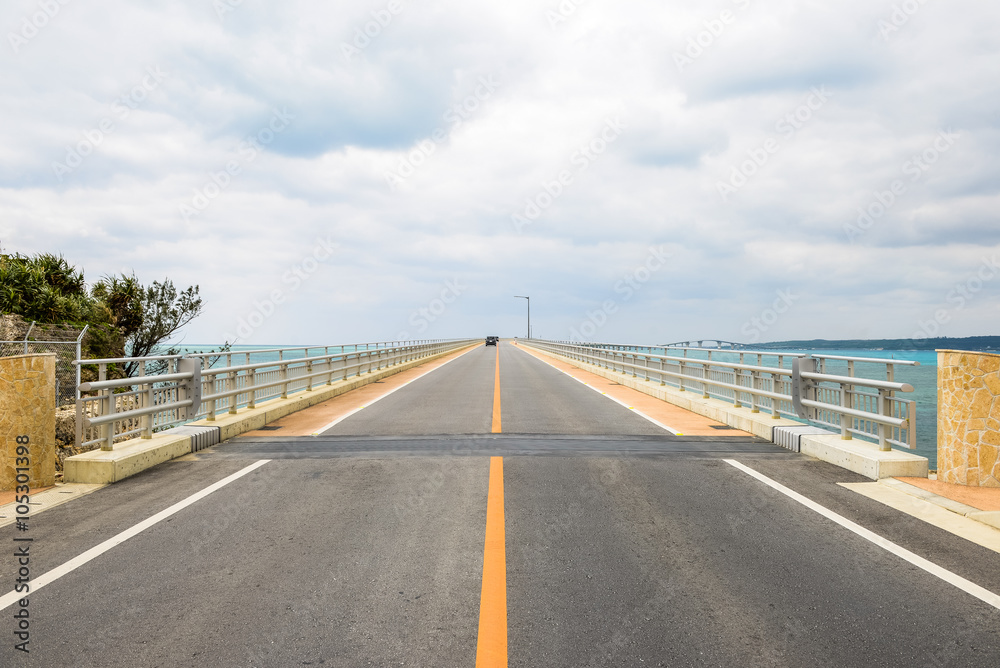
(37, 583)
(971, 588)
(360, 408)
(622, 403)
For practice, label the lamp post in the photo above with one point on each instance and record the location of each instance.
(529, 312)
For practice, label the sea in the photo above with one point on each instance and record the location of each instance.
(923, 378)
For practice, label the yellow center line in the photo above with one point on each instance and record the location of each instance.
(491, 648)
(496, 395)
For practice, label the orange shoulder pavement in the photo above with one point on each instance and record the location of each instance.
(983, 498)
(684, 422)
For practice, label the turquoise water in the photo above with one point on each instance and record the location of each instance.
(249, 354)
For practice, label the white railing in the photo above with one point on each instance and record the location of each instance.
(856, 406)
(180, 388)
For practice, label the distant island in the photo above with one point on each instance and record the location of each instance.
(934, 343)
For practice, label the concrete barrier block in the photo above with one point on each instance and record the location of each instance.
(864, 458)
(127, 459)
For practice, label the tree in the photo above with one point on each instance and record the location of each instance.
(45, 288)
(161, 311)
(126, 319)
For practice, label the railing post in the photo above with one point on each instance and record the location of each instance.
(846, 393)
(309, 380)
(885, 408)
(911, 423)
(109, 427)
(283, 374)
(342, 362)
(231, 387)
(251, 384)
(754, 385)
(146, 422)
(211, 404)
(737, 374)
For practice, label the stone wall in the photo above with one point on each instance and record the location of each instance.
(27, 412)
(12, 327)
(969, 418)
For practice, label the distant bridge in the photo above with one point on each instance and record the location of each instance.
(708, 343)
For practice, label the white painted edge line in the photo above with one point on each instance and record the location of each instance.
(617, 401)
(51, 576)
(971, 588)
(396, 389)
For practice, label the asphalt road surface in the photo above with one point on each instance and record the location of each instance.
(623, 545)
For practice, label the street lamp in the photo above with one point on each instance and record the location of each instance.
(529, 312)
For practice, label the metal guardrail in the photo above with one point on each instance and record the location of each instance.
(856, 406)
(191, 387)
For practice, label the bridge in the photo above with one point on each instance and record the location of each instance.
(529, 504)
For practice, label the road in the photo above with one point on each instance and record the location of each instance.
(622, 545)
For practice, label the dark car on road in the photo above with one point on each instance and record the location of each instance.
(492, 340)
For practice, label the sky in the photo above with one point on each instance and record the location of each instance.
(645, 172)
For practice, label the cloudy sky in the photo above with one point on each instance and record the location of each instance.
(645, 171)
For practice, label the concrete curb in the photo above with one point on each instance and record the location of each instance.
(136, 455)
(854, 455)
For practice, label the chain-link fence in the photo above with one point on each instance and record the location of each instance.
(66, 350)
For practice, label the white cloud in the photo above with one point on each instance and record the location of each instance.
(324, 176)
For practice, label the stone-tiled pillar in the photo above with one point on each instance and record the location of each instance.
(969, 418)
(27, 413)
